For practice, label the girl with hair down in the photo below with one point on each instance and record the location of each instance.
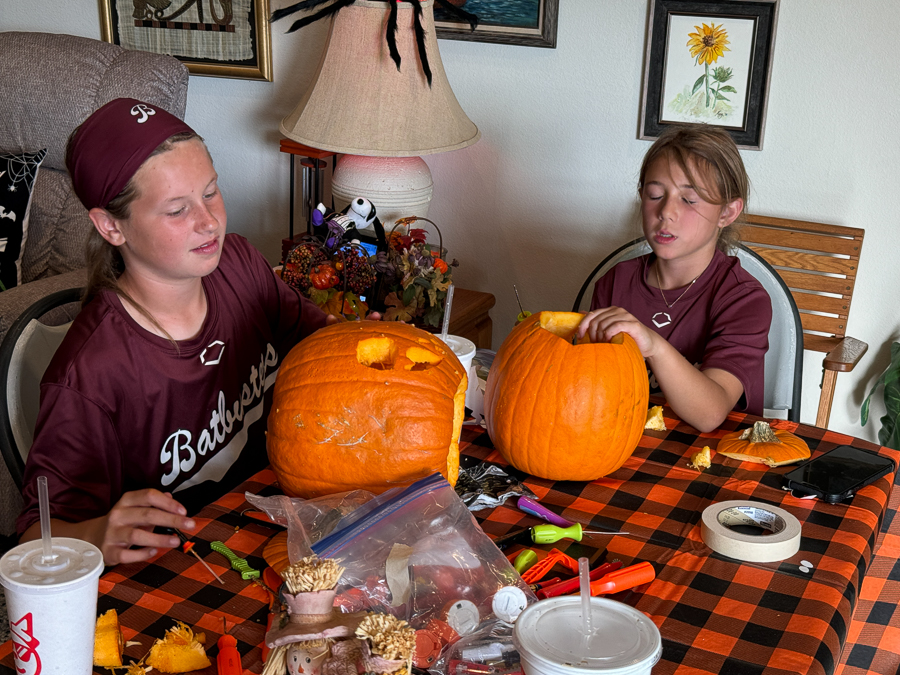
(700, 320)
(156, 401)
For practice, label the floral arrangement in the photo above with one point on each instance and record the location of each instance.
(415, 277)
(335, 275)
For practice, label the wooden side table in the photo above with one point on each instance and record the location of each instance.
(469, 316)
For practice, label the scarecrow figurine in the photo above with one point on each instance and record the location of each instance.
(311, 638)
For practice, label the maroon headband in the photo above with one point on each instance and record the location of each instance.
(112, 144)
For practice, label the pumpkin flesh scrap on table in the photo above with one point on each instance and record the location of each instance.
(764, 445)
(366, 405)
(561, 411)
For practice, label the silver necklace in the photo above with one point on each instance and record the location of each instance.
(659, 284)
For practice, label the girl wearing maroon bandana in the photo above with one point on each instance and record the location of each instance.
(157, 400)
(701, 321)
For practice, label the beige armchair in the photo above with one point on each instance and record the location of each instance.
(49, 84)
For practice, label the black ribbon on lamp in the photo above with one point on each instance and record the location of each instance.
(391, 33)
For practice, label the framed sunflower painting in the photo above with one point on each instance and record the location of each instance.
(709, 63)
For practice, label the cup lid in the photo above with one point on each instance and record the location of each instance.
(74, 560)
(622, 640)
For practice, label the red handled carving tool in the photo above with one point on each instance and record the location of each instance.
(572, 585)
(228, 660)
(623, 579)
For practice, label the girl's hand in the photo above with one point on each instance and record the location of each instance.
(601, 325)
(131, 521)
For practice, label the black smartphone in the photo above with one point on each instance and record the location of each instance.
(838, 474)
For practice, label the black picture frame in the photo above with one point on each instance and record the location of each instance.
(754, 60)
(258, 44)
(543, 35)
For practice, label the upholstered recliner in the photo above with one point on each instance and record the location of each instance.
(49, 84)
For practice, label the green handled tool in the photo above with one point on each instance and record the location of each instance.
(237, 563)
(523, 314)
(550, 534)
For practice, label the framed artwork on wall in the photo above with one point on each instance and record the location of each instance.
(709, 63)
(531, 23)
(220, 38)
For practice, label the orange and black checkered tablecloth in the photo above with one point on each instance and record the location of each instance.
(716, 615)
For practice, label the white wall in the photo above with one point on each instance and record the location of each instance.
(550, 187)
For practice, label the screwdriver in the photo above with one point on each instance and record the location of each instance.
(228, 660)
(545, 534)
(523, 314)
(550, 534)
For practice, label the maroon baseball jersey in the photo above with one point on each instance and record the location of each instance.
(123, 409)
(722, 321)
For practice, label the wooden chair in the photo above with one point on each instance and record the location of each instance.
(818, 263)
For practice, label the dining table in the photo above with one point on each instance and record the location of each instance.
(831, 608)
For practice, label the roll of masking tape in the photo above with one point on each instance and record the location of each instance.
(780, 541)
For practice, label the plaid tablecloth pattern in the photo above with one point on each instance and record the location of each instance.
(716, 615)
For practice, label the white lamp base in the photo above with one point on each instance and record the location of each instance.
(398, 186)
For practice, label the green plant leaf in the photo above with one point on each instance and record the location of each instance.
(719, 97)
(424, 283)
(889, 435)
(409, 294)
(698, 83)
(729, 89)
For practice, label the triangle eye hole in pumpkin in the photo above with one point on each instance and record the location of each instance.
(382, 353)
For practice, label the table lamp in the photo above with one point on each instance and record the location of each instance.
(380, 116)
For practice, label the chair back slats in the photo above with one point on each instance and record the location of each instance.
(807, 226)
(818, 263)
(810, 262)
(801, 240)
(817, 283)
(823, 324)
(820, 343)
(821, 303)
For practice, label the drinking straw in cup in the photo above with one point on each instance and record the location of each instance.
(44, 505)
(584, 577)
(447, 304)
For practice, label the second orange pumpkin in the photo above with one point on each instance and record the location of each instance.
(562, 411)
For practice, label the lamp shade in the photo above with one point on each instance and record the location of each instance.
(361, 104)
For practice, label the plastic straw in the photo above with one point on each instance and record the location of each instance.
(447, 303)
(44, 502)
(584, 575)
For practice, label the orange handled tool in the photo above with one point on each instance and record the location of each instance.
(541, 569)
(623, 579)
(228, 660)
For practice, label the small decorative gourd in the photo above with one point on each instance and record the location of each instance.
(764, 445)
(562, 411)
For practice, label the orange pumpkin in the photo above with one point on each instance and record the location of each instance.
(562, 411)
(366, 405)
(764, 445)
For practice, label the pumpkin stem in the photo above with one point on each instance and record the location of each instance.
(760, 432)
